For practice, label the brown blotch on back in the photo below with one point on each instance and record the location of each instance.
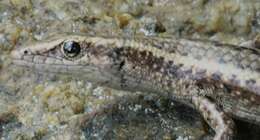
(144, 59)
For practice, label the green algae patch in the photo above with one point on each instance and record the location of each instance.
(45, 108)
(61, 99)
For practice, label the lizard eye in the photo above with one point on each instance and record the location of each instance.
(71, 48)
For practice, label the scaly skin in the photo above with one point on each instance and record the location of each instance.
(207, 75)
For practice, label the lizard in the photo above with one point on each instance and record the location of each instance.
(221, 81)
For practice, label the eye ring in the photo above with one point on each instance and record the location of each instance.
(71, 48)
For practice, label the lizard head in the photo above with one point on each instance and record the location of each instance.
(70, 54)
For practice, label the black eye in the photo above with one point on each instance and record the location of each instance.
(71, 48)
(25, 52)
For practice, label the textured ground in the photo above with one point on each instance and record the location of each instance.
(36, 106)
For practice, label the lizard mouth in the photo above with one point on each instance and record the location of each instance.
(41, 63)
(18, 58)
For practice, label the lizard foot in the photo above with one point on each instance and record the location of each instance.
(216, 119)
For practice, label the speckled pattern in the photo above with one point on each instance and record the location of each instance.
(34, 105)
(173, 66)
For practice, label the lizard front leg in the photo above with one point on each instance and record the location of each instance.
(216, 119)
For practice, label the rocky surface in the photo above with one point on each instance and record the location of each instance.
(37, 106)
